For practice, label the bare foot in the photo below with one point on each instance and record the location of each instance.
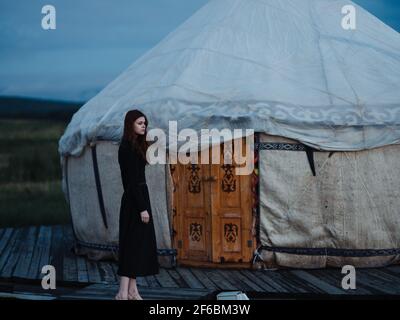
(134, 296)
(121, 296)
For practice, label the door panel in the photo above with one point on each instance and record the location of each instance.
(231, 209)
(213, 213)
(192, 212)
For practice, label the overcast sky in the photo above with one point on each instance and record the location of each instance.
(95, 41)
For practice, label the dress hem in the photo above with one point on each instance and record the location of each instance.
(123, 274)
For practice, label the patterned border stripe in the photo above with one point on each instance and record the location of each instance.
(335, 252)
(280, 146)
(115, 248)
(256, 189)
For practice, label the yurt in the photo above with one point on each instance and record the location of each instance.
(323, 100)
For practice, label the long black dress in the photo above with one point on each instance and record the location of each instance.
(137, 240)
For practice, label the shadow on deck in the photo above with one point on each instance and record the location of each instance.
(23, 252)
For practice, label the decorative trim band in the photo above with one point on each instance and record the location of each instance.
(280, 146)
(290, 147)
(335, 252)
(115, 248)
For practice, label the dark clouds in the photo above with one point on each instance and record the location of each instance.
(94, 41)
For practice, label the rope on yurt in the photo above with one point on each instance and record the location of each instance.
(98, 184)
(310, 157)
(115, 248)
(69, 198)
(335, 252)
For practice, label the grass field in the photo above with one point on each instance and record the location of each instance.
(30, 173)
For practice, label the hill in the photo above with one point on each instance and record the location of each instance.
(32, 108)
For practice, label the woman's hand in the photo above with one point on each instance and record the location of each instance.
(145, 216)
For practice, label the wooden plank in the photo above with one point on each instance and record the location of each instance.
(252, 276)
(8, 248)
(97, 292)
(94, 292)
(177, 278)
(218, 280)
(202, 277)
(114, 266)
(32, 290)
(2, 230)
(152, 281)
(334, 277)
(93, 272)
(26, 296)
(166, 280)
(247, 282)
(27, 249)
(56, 253)
(229, 277)
(43, 254)
(69, 239)
(107, 271)
(82, 269)
(34, 271)
(386, 279)
(97, 289)
(5, 238)
(173, 293)
(298, 285)
(236, 279)
(386, 276)
(319, 284)
(141, 281)
(70, 268)
(189, 278)
(294, 285)
(375, 285)
(393, 269)
(14, 254)
(274, 280)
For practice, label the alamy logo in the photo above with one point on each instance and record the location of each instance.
(349, 20)
(349, 280)
(49, 20)
(188, 152)
(49, 280)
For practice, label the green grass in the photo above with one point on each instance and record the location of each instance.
(36, 203)
(32, 130)
(30, 173)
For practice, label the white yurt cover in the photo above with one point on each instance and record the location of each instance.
(347, 213)
(284, 67)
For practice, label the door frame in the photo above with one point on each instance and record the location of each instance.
(210, 232)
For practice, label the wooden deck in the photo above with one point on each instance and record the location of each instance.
(23, 251)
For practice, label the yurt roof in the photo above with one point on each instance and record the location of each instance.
(284, 67)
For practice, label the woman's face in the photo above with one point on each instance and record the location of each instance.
(139, 126)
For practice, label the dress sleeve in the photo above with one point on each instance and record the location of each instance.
(129, 174)
(123, 160)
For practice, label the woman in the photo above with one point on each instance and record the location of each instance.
(137, 240)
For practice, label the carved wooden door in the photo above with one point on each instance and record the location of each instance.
(212, 213)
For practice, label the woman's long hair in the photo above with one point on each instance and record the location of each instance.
(135, 140)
